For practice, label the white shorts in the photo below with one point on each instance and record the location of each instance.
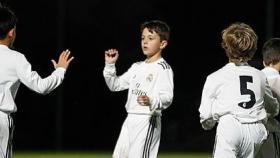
(6, 132)
(238, 140)
(139, 137)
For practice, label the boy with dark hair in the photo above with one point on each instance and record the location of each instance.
(150, 90)
(234, 96)
(15, 69)
(271, 61)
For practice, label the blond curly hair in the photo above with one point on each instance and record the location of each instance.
(239, 41)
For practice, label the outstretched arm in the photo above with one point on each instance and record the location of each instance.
(34, 81)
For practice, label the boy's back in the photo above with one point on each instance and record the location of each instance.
(8, 62)
(237, 90)
(9, 80)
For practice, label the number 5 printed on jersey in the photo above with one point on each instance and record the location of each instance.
(245, 91)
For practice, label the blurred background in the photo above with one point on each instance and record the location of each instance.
(82, 114)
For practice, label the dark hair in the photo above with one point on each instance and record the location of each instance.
(239, 41)
(8, 21)
(271, 51)
(160, 27)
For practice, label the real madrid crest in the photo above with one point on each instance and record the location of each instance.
(149, 78)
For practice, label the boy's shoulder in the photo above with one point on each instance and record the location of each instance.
(138, 63)
(160, 65)
(270, 72)
(163, 64)
(10, 52)
(231, 68)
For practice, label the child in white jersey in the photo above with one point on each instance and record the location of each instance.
(234, 96)
(15, 69)
(271, 61)
(150, 90)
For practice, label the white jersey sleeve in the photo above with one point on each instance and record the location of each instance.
(271, 103)
(114, 82)
(163, 93)
(272, 109)
(208, 95)
(32, 79)
(273, 79)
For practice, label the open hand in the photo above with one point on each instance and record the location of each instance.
(64, 60)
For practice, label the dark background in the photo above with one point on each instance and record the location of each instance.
(82, 114)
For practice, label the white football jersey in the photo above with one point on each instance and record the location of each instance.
(239, 91)
(152, 79)
(14, 68)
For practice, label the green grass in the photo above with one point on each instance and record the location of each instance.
(98, 155)
(184, 155)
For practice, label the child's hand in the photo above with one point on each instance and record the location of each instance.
(111, 56)
(64, 60)
(143, 100)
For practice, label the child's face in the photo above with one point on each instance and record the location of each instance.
(150, 42)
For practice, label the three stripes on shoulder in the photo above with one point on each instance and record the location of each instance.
(164, 65)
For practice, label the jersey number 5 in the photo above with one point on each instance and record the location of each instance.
(245, 91)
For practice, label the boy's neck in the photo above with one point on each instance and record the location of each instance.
(153, 58)
(275, 66)
(4, 42)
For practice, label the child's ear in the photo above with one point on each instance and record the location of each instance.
(11, 33)
(163, 44)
